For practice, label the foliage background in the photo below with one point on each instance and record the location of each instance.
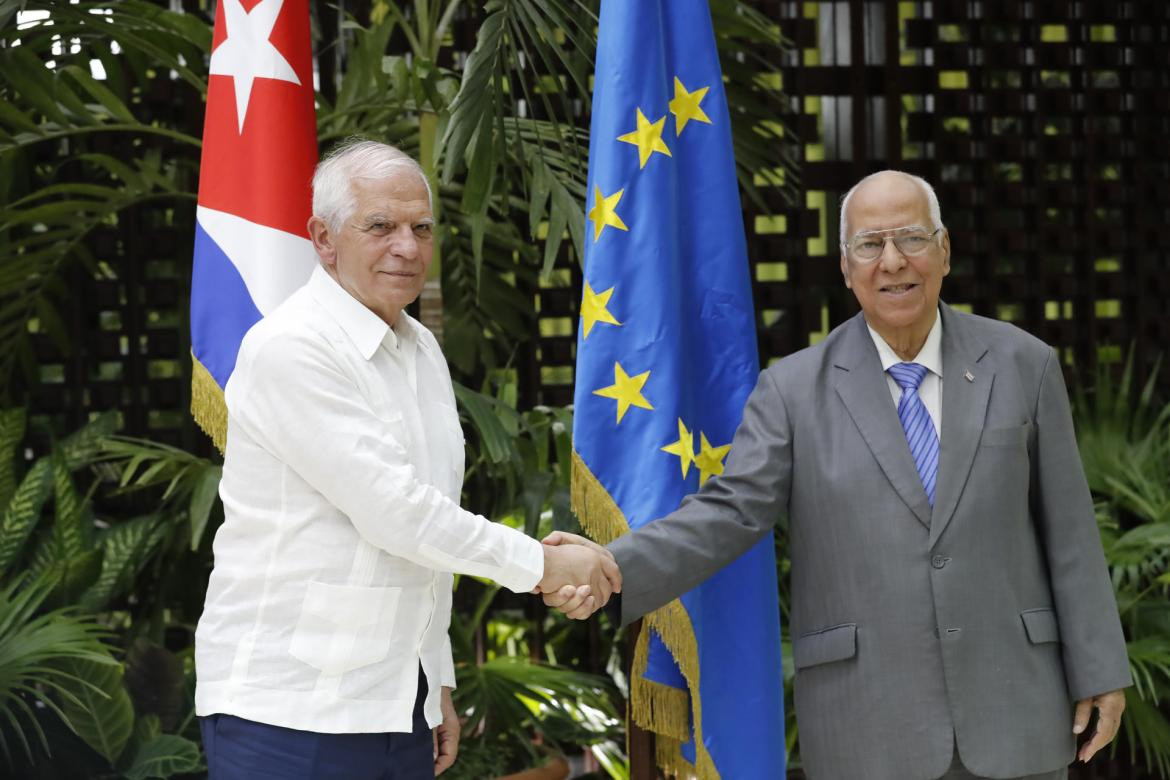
(107, 518)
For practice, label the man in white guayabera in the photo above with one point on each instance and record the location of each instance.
(322, 651)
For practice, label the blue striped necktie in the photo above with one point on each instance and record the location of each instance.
(916, 422)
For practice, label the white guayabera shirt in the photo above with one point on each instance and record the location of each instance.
(341, 480)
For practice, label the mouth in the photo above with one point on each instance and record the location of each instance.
(400, 274)
(899, 289)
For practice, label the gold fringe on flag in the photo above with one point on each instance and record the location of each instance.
(663, 714)
(663, 709)
(207, 404)
(668, 756)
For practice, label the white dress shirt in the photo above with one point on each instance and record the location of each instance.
(341, 480)
(930, 391)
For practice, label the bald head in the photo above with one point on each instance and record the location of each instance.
(883, 186)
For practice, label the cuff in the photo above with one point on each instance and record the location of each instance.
(525, 568)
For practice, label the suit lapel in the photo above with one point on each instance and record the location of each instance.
(861, 384)
(967, 380)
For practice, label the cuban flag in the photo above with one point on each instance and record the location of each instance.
(252, 247)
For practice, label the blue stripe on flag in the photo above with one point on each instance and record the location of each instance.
(222, 310)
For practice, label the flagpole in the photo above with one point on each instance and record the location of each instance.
(639, 742)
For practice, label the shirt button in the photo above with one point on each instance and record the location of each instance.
(938, 561)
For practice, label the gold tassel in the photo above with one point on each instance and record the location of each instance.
(603, 520)
(668, 754)
(657, 707)
(591, 502)
(207, 404)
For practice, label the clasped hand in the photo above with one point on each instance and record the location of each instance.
(579, 575)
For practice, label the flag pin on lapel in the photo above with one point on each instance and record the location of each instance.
(968, 376)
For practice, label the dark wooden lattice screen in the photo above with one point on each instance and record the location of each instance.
(1045, 127)
(1042, 125)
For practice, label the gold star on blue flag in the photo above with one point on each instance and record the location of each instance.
(660, 390)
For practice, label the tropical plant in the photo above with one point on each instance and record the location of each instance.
(1124, 440)
(39, 654)
(516, 709)
(76, 154)
(68, 572)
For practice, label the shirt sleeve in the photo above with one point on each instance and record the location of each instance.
(291, 396)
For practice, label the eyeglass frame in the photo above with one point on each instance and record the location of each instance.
(847, 246)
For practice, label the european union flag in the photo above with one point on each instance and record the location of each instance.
(666, 358)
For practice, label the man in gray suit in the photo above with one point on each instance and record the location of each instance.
(950, 599)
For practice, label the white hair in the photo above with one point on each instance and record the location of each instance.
(936, 222)
(356, 158)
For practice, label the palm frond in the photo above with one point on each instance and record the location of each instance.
(1147, 733)
(35, 649)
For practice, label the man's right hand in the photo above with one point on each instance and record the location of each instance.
(581, 602)
(578, 578)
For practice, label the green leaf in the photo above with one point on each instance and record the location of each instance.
(126, 548)
(73, 576)
(12, 422)
(32, 81)
(164, 756)
(537, 197)
(70, 509)
(14, 118)
(99, 92)
(23, 511)
(558, 220)
(202, 500)
(482, 411)
(83, 445)
(101, 715)
(472, 105)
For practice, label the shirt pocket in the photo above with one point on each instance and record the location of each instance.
(448, 458)
(393, 420)
(344, 627)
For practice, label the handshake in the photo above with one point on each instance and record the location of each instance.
(579, 575)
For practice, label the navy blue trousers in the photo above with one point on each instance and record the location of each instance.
(239, 749)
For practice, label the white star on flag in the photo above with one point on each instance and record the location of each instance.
(246, 53)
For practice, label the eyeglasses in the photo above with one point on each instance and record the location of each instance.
(910, 241)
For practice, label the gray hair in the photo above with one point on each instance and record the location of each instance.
(931, 200)
(356, 158)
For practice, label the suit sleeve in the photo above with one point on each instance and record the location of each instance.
(668, 557)
(1095, 659)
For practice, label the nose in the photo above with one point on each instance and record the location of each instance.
(403, 242)
(891, 259)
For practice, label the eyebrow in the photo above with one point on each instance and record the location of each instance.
(372, 219)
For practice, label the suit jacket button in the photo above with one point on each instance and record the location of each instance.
(938, 561)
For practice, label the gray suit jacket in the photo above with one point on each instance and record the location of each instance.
(978, 622)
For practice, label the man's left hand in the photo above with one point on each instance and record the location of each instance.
(1109, 708)
(446, 734)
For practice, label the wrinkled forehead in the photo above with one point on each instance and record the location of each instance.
(887, 203)
(400, 191)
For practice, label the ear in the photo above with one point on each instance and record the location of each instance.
(323, 241)
(845, 270)
(946, 250)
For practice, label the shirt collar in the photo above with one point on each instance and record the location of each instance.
(930, 355)
(365, 329)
